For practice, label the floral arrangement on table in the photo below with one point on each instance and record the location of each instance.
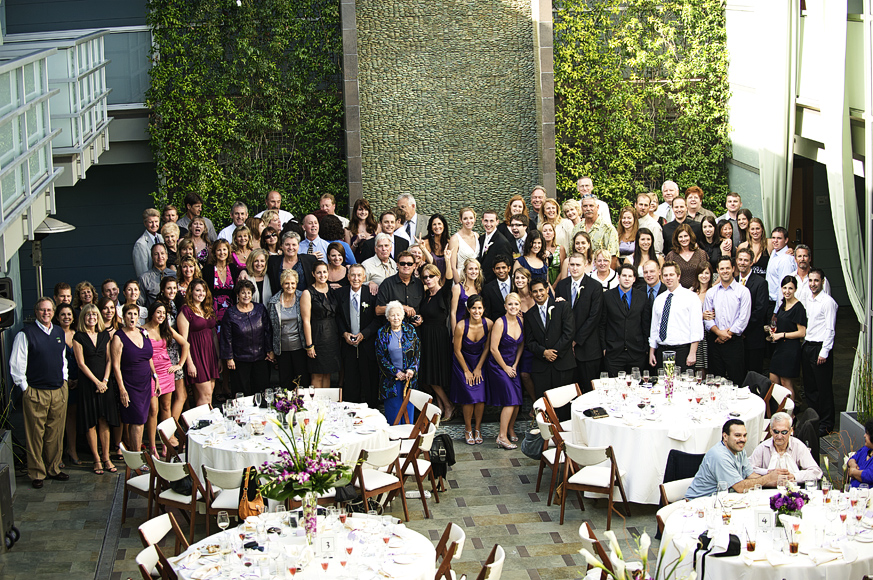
(788, 503)
(622, 570)
(287, 402)
(303, 470)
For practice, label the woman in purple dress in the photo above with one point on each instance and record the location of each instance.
(196, 324)
(503, 379)
(135, 374)
(468, 385)
(469, 282)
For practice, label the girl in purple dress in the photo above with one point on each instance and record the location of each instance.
(135, 374)
(468, 385)
(469, 283)
(196, 324)
(502, 377)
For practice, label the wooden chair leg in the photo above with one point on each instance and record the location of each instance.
(124, 504)
(193, 517)
(554, 480)
(433, 484)
(540, 474)
(423, 499)
(403, 499)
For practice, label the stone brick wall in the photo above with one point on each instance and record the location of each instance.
(448, 102)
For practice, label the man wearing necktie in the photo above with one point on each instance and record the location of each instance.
(677, 321)
(754, 343)
(142, 248)
(494, 292)
(624, 324)
(548, 334)
(584, 296)
(357, 324)
(491, 245)
(518, 225)
(726, 309)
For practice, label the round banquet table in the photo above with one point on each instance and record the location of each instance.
(641, 444)
(409, 555)
(212, 447)
(837, 558)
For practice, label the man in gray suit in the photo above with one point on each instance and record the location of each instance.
(415, 225)
(142, 248)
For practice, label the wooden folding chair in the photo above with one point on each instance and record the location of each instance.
(191, 416)
(136, 480)
(584, 470)
(222, 491)
(778, 399)
(663, 514)
(167, 473)
(674, 490)
(450, 547)
(156, 529)
(552, 456)
(410, 430)
(169, 429)
(431, 417)
(595, 548)
(147, 562)
(380, 473)
(557, 398)
(417, 465)
(492, 569)
(334, 394)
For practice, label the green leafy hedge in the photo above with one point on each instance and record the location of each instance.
(641, 95)
(246, 97)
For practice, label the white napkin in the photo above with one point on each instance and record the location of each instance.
(207, 571)
(849, 553)
(750, 558)
(188, 560)
(822, 556)
(743, 392)
(679, 434)
(777, 558)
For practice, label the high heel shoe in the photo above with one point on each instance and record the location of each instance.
(505, 445)
(468, 436)
(514, 439)
(479, 439)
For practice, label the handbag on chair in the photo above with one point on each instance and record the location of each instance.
(251, 503)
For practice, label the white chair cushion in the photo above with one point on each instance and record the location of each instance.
(549, 455)
(140, 482)
(228, 499)
(374, 479)
(399, 431)
(594, 475)
(171, 495)
(423, 466)
(567, 425)
(406, 446)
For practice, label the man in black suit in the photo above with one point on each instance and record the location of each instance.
(653, 287)
(624, 324)
(301, 263)
(680, 211)
(548, 334)
(584, 296)
(491, 245)
(357, 325)
(399, 243)
(754, 343)
(494, 293)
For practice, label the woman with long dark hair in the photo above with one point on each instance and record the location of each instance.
(437, 242)
(790, 327)
(706, 276)
(534, 258)
(169, 296)
(644, 250)
(318, 307)
(362, 226)
(270, 241)
(221, 274)
(66, 318)
(468, 384)
(337, 270)
(197, 324)
(686, 254)
(247, 342)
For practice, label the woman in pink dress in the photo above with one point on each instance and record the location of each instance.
(160, 333)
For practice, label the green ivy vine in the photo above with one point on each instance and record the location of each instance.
(245, 97)
(641, 96)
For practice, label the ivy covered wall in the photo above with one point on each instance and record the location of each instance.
(246, 97)
(641, 95)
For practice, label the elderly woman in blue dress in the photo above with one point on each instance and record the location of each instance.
(398, 352)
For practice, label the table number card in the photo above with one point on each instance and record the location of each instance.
(327, 543)
(765, 519)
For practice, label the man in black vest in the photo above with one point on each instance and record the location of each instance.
(357, 324)
(39, 368)
(584, 296)
(626, 317)
(494, 293)
(548, 334)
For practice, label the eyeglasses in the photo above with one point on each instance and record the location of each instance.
(271, 235)
(405, 263)
(783, 432)
(588, 196)
(428, 276)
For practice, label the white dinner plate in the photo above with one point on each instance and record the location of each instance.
(864, 536)
(404, 560)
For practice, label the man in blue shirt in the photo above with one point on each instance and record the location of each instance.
(727, 462)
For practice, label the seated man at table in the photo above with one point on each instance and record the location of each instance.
(784, 454)
(727, 462)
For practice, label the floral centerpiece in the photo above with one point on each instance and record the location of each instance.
(623, 570)
(285, 402)
(303, 470)
(788, 503)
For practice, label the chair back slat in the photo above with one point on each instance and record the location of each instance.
(584, 456)
(382, 457)
(188, 417)
(225, 479)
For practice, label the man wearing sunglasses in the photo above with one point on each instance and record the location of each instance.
(784, 454)
(403, 287)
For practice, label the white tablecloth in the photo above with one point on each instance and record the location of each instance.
(683, 528)
(206, 447)
(641, 446)
(411, 556)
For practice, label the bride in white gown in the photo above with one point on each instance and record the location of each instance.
(465, 243)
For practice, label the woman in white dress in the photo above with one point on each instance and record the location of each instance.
(465, 243)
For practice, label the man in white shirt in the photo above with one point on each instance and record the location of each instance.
(648, 222)
(274, 202)
(784, 454)
(727, 309)
(381, 265)
(733, 203)
(38, 366)
(537, 198)
(802, 258)
(416, 225)
(817, 358)
(328, 204)
(142, 248)
(677, 321)
(665, 211)
(585, 186)
(239, 213)
(312, 244)
(781, 264)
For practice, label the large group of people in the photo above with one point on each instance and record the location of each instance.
(543, 295)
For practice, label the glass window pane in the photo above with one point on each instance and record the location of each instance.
(10, 142)
(128, 70)
(8, 92)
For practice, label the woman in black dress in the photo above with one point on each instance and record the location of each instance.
(318, 308)
(790, 328)
(435, 368)
(98, 403)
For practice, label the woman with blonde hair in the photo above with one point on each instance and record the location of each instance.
(241, 246)
(189, 270)
(184, 249)
(256, 269)
(469, 282)
(503, 379)
(465, 243)
(199, 235)
(271, 219)
(170, 232)
(572, 212)
(552, 215)
(554, 253)
(435, 368)
(603, 271)
(85, 293)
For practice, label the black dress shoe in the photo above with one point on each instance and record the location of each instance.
(36, 483)
(60, 476)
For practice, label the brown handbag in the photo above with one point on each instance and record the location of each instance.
(250, 502)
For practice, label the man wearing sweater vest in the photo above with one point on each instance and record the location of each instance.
(39, 367)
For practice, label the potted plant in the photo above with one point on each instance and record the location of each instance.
(852, 422)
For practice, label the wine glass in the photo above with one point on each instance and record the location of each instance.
(311, 392)
(646, 376)
(268, 396)
(239, 396)
(223, 520)
(257, 399)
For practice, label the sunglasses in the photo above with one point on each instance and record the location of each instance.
(784, 432)
(271, 236)
(405, 263)
(428, 276)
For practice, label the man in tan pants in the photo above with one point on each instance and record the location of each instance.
(39, 367)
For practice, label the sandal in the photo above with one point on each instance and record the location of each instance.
(448, 415)
(513, 438)
(72, 460)
(98, 468)
(118, 455)
(504, 445)
(479, 439)
(110, 467)
(468, 436)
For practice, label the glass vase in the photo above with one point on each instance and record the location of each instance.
(310, 516)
